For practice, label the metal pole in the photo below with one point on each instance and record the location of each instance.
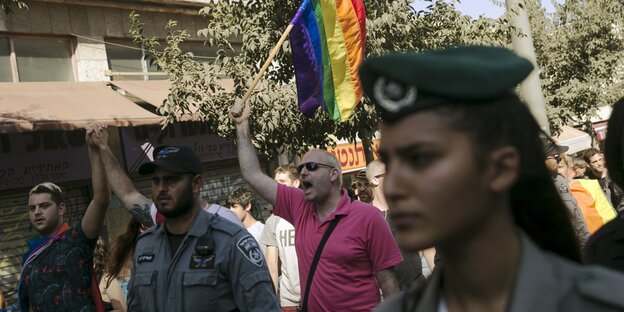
(522, 42)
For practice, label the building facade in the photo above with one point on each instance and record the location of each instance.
(65, 62)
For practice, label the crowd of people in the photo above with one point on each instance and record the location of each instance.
(470, 208)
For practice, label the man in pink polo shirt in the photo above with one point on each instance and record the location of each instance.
(361, 252)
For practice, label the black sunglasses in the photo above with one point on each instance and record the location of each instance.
(556, 157)
(312, 166)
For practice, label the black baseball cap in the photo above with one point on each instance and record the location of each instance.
(551, 148)
(178, 159)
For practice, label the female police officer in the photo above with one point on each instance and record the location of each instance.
(465, 173)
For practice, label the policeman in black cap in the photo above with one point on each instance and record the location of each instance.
(553, 153)
(465, 173)
(195, 261)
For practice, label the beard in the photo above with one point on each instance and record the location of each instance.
(366, 197)
(183, 205)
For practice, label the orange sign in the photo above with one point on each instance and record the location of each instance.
(352, 158)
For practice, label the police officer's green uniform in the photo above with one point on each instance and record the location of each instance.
(563, 187)
(401, 84)
(218, 267)
(544, 283)
(576, 215)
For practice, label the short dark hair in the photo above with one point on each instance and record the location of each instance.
(589, 154)
(290, 170)
(240, 196)
(579, 163)
(55, 191)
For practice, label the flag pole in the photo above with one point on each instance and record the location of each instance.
(267, 63)
(273, 53)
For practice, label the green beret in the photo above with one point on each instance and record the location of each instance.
(400, 84)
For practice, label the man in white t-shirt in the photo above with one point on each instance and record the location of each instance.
(279, 238)
(240, 203)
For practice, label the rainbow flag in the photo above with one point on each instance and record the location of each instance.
(594, 205)
(328, 39)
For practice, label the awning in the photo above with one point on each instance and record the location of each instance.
(33, 106)
(155, 92)
(576, 140)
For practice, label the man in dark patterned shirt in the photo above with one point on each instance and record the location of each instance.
(57, 270)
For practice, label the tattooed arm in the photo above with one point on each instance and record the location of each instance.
(137, 204)
(140, 211)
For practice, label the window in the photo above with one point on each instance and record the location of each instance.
(26, 59)
(125, 57)
(128, 59)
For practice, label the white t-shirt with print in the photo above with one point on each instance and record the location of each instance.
(280, 233)
(255, 230)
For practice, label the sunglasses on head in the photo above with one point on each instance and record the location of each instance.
(312, 166)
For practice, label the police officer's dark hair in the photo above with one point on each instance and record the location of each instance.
(613, 144)
(535, 203)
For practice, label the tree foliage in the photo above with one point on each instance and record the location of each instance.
(580, 52)
(392, 26)
(7, 6)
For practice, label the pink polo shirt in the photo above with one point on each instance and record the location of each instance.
(360, 245)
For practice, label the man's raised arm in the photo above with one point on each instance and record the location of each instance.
(93, 218)
(247, 157)
(133, 201)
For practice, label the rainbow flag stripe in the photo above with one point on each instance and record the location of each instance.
(328, 41)
(594, 205)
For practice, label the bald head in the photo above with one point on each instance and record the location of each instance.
(329, 159)
(374, 169)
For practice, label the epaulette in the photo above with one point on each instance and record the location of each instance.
(219, 223)
(600, 284)
(150, 231)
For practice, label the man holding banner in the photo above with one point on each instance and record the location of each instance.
(357, 260)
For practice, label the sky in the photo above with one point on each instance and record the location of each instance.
(488, 8)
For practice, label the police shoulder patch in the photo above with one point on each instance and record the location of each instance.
(250, 249)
